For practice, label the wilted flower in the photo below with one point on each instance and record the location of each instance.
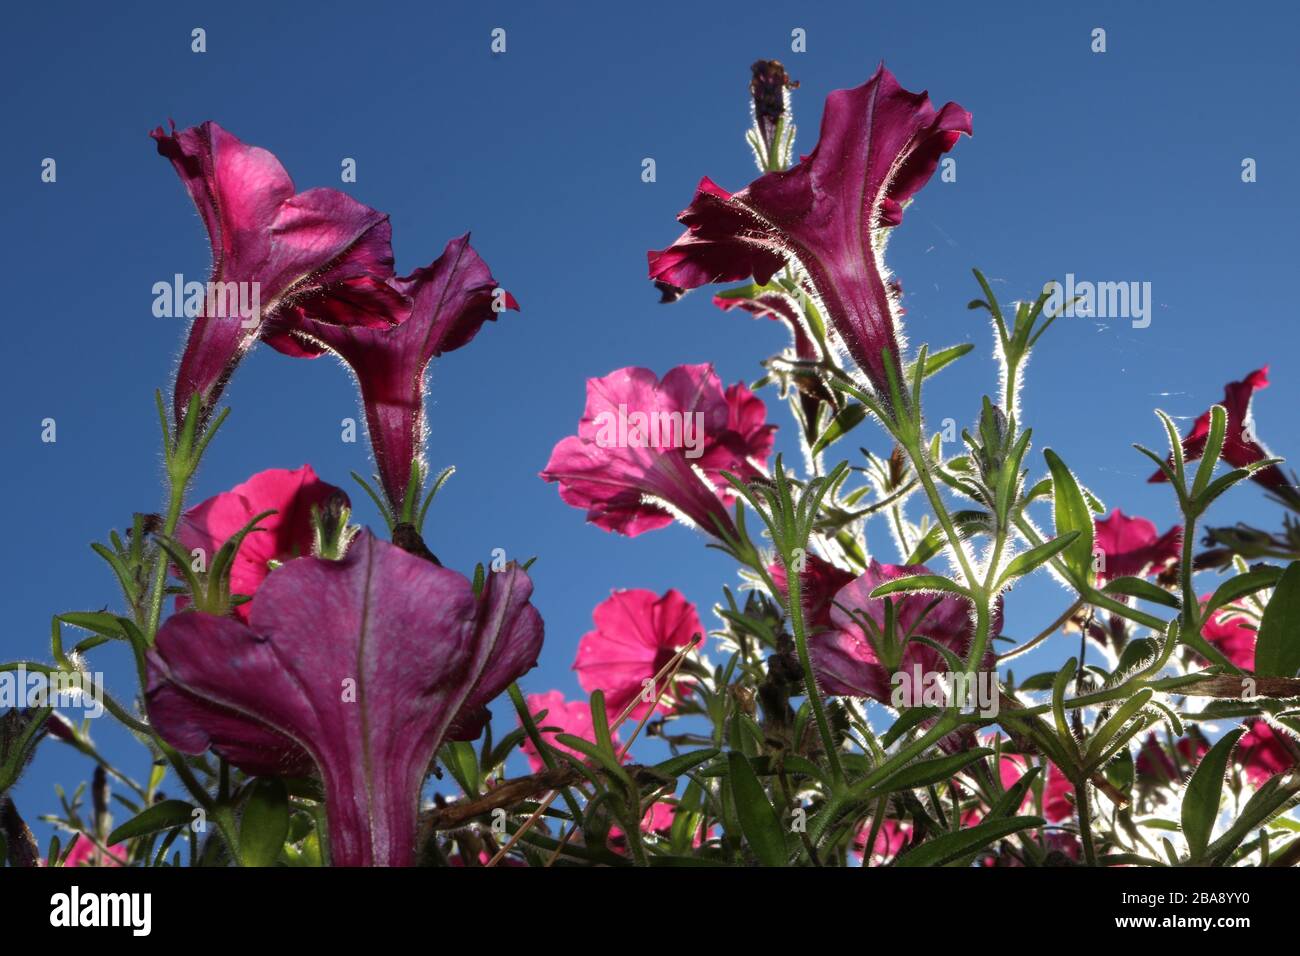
(358, 668)
(289, 254)
(1131, 547)
(637, 633)
(279, 537)
(648, 449)
(450, 301)
(879, 145)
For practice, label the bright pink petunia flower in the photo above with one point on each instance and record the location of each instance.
(819, 581)
(358, 668)
(879, 145)
(648, 449)
(846, 663)
(1263, 753)
(1155, 766)
(1232, 634)
(82, 852)
(318, 253)
(1240, 445)
(637, 633)
(562, 717)
(285, 535)
(891, 838)
(1131, 547)
(450, 301)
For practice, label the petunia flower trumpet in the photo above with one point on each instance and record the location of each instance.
(450, 300)
(277, 255)
(359, 669)
(830, 215)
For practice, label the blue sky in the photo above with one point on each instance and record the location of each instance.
(1122, 166)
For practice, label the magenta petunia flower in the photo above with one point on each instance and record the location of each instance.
(358, 668)
(1155, 766)
(819, 581)
(1132, 547)
(285, 535)
(1263, 753)
(649, 449)
(843, 657)
(1232, 634)
(891, 838)
(1241, 447)
(450, 301)
(318, 253)
(637, 633)
(83, 852)
(562, 717)
(879, 145)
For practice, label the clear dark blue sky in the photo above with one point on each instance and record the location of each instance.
(1119, 166)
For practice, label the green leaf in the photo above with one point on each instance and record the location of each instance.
(919, 582)
(265, 823)
(1030, 560)
(1277, 651)
(1201, 798)
(159, 817)
(1142, 589)
(758, 819)
(1238, 587)
(944, 357)
(925, 772)
(963, 843)
(1071, 513)
(849, 417)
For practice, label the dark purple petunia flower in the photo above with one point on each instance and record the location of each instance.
(359, 668)
(318, 252)
(879, 145)
(450, 301)
(844, 659)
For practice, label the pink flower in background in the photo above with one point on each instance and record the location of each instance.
(1231, 633)
(637, 633)
(1240, 445)
(318, 253)
(1133, 548)
(819, 581)
(82, 852)
(450, 301)
(845, 662)
(1155, 765)
(891, 838)
(285, 535)
(1263, 753)
(359, 669)
(562, 717)
(879, 145)
(648, 449)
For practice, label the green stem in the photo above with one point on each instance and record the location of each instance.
(794, 586)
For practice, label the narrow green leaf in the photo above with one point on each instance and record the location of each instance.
(1142, 589)
(1030, 560)
(160, 816)
(1071, 513)
(758, 819)
(1201, 798)
(963, 843)
(849, 417)
(265, 823)
(1277, 651)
